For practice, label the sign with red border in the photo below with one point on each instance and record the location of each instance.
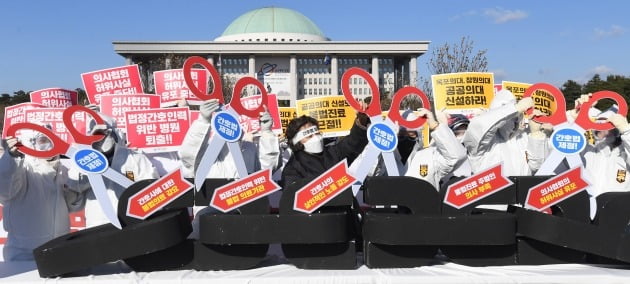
(54, 118)
(124, 80)
(476, 187)
(240, 192)
(157, 128)
(117, 105)
(157, 195)
(252, 124)
(324, 188)
(16, 114)
(171, 86)
(556, 189)
(54, 97)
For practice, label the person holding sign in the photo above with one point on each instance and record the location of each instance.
(497, 136)
(439, 159)
(131, 163)
(458, 123)
(607, 163)
(37, 196)
(264, 154)
(311, 158)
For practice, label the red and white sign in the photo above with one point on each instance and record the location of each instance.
(54, 97)
(250, 124)
(124, 80)
(556, 189)
(243, 191)
(157, 129)
(157, 195)
(476, 187)
(498, 87)
(15, 114)
(54, 118)
(324, 188)
(117, 105)
(171, 86)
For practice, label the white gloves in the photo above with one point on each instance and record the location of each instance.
(207, 108)
(620, 122)
(266, 122)
(524, 104)
(10, 145)
(441, 117)
(94, 107)
(431, 122)
(578, 103)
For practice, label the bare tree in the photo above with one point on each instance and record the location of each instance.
(453, 58)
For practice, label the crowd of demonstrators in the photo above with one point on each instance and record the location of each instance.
(310, 157)
(501, 130)
(37, 195)
(436, 161)
(36, 212)
(259, 152)
(130, 162)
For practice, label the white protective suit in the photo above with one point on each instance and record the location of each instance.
(607, 167)
(439, 159)
(37, 196)
(261, 153)
(164, 162)
(607, 163)
(494, 137)
(131, 163)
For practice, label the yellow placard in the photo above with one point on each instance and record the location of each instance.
(334, 114)
(463, 92)
(518, 89)
(286, 115)
(544, 102)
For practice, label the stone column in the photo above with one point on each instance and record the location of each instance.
(252, 66)
(293, 80)
(375, 74)
(413, 71)
(334, 73)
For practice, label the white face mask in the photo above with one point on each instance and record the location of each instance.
(106, 145)
(315, 145)
(43, 146)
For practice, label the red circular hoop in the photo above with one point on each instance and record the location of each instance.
(217, 91)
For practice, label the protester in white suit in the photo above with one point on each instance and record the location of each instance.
(438, 159)
(498, 136)
(37, 196)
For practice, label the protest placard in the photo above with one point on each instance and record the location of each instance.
(334, 114)
(463, 92)
(124, 80)
(157, 129)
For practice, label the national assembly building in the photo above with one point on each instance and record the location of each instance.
(287, 52)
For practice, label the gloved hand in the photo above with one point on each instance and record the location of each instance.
(207, 108)
(578, 104)
(431, 122)
(10, 145)
(524, 104)
(99, 129)
(182, 103)
(94, 107)
(620, 122)
(266, 122)
(441, 117)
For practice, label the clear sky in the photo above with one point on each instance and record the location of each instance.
(50, 43)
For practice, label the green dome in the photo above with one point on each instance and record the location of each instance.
(272, 20)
